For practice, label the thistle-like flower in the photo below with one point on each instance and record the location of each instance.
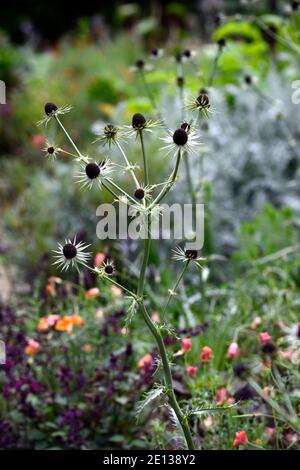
(51, 150)
(201, 104)
(51, 110)
(106, 269)
(110, 135)
(143, 193)
(94, 173)
(71, 254)
(184, 138)
(179, 254)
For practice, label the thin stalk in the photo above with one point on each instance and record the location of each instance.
(146, 176)
(128, 164)
(69, 137)
(214, 68)
(183, 420)
(169, 183)
(189, 178)
(148, 91)
(116, 186)
(110, 190)
(173, 291)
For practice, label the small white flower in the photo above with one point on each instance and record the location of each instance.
(71, 254)
(140, 123)
(51, 110)
(94, 173)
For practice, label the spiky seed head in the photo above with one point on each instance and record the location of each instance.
(69, 251)
(187, 53)
(140, 64)
(185, 126)
(50, 150)
(139, 193)
(180, 137)
(50, 108)
(138, 121)
(203, 100)
(248, 79)
(92, 170)
(155, 52)
(221, 43)
(191, 254)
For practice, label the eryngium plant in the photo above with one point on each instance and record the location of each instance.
(145, 199)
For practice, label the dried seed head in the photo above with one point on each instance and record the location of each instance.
(109, 269)
(191, 254)
(155, 52)
(185, 126)
(50, 108)
(203, 100)
(180, 137)
(187, 53)
(138, 121)
(69, 251)
(139, 193)
(110, 130)
(180, 81)
(50, 150)
(248, 79)
(92, 170)
(140, 64)
(221, 43)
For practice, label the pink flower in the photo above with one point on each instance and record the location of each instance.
(206, 354)
(192, 370)
(186, 344)
(116, 291)
(38, 140)
(240, 439)
(92, 293)
(155, 317)
(264, 337)
(145, 362)
(233, 351)
(221, 396)
(99, 259)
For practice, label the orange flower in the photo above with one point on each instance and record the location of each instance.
(240, 439)
(43, 324)
(55, 280)
(206, 354)
(77, 320)
(87, 348)
(145, 362)
(67, 322)
(186, 344)
(99, 259)
(92, 293)
(32, 347)
(50, 289)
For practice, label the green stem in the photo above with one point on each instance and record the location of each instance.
(128, 164)
(146, 177)
(173, 291)
(69, 137)
(122, 191)
(183, 420)
(169, 183)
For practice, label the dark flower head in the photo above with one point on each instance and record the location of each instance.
(203, 100)
(110, 131)
(155, 52)
(180, 81)
(50, 108)
(246, 392)
(268, 348)
(218, 19)
(69, 251)
(203, 91)
(295, 5)
(139, 193)
(240, 370)
(185, 126)
(191, 254)
(140, 64)
(248, 79)
(187, 53)
(92, 170)
(221, 43)
(180, 137)
(109, 269)
(138, 121)
(50, 150)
